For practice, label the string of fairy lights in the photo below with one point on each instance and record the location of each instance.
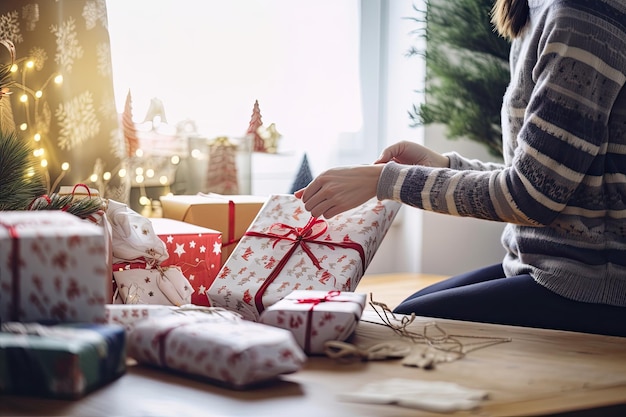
(145, 173)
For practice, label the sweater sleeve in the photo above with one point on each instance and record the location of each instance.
(561, 97)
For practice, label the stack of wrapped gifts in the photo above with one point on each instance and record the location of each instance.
(229, 214)
(162, 261)
(285, 289)
(285, 249)
(55, 282)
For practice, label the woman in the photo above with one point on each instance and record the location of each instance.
(561, 189)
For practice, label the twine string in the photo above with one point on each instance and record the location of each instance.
(440, 346)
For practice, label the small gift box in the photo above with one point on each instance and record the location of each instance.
(128, 315)
(217, 345)
(53, 266)
(316, 317)
(229, 214)
(196, 250)
(61, 361)
(142, 283)
(285, 249)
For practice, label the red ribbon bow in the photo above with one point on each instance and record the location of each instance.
(300, 237)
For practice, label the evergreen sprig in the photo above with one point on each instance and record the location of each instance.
(467, 71)
(20, 179)
(82, 208)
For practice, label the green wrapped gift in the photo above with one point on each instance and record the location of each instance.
(61, 361)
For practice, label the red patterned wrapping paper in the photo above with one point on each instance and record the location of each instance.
(195, 250)
(215, 344)
(316, 317)
(285, 249)
(53, 266)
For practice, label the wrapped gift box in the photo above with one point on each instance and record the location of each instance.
(229, 214)
(128, 315)
(143, 283)
(316, 317)
(216, 345)
(53, 266)
(196, 250)
(285, 249)
(60, 361)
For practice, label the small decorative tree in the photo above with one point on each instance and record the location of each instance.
(467, 71)
(128, 126)
(253, 128)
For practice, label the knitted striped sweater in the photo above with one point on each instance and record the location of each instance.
(562, 187)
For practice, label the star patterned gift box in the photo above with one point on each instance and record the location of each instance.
(61, 361)
(196, 250)
(216, 345)
(316, 317)
(285, 249)
(229, 214)
(144, 283)
(53, 266)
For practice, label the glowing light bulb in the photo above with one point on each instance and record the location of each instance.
(23, 98)
(121, 173)
(139, 179)
(58, 79)
(196, 153)
(139, 153)
(139, 171)
(163, 179)
(44, 163)
(65, 166)
(175, 159)
(14, 68)
(106, 176)
(23, 126)
(38, 93)
(93, 177)
(30, 64)
(37, 137)
(144, 201)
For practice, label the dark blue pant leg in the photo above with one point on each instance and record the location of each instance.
(482, 296)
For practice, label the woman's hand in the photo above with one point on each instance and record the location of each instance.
(340, 189)
(411, 153)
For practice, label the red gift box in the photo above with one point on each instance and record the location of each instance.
(195, 250)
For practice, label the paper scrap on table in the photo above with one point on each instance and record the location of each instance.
(433, 396)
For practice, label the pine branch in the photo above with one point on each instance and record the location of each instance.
(82, 208)
(20, 179)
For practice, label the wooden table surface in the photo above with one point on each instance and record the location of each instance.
(537, 372)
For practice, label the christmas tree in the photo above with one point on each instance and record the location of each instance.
(253, 129)
(303, 177)
(222, 167)
(467, 71)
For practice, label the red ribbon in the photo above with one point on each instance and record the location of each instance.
(300, 237)
(67, 207)
(231, 224)
(14, 262)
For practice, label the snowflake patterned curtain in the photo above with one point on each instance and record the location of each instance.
(63, 96)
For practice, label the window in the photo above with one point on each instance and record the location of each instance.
(209, 60)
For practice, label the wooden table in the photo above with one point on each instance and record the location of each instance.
(538, 372)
